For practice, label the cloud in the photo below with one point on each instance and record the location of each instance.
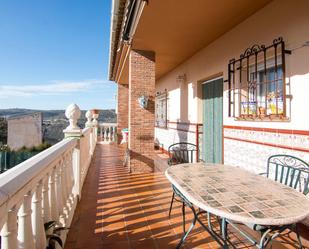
(56, 87)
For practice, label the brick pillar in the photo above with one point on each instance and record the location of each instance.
(123, 109)
(141, 121)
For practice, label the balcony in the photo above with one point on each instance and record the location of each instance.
(82, 184)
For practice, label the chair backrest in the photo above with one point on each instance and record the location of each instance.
(182, 153)
(290, 171)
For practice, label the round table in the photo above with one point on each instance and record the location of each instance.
(236, 194)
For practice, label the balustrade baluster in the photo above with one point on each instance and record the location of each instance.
(101, 132)
(9, 231)
(70, 176)
(59, 189)
(64, 187)
(45, 201)
(37, 218)
(68, 183)
(25, 234)
(109, 133)
(52, 197)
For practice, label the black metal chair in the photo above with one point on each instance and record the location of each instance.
(290, 171)
(181, 153)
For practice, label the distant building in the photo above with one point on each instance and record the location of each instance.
(24, 130)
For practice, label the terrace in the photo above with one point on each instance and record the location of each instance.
(81, 183)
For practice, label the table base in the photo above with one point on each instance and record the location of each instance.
(267, 235)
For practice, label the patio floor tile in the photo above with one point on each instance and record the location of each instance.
(119, 210)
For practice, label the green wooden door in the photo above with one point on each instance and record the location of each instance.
(212, 121)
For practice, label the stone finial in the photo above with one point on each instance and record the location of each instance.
(89, 115)
(73, 114)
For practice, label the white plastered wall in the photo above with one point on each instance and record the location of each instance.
(285, 18)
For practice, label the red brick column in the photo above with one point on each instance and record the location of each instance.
(123, 109)
(141, 121)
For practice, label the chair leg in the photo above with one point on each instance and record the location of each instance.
(209, 222)
(171, 206)
(298, 236)
(184, 217)
(265, 239)
(223, 227)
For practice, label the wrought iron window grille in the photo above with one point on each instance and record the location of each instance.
(161, 103)
(257, 83)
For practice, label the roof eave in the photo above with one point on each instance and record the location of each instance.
(115, 30)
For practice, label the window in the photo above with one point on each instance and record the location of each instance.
(265, 94)
(161, 109)
(257, 83)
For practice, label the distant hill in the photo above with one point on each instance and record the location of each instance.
(107, 115)
(54, 122)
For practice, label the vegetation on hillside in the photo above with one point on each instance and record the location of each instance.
(3, 131)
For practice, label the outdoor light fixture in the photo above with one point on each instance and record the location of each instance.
(143, 101)
(181, 77)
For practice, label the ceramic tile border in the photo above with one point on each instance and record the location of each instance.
(268, 144)
(272, 130)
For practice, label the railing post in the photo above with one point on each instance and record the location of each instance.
(95, 124)
(9, 231)
(73, 114)
(37, 218)
(25, 234)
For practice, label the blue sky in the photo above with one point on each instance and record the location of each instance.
(55, 52)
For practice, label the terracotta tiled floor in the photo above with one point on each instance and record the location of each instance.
(119, 210)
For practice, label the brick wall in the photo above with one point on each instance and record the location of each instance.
(123, 109)
(141, 121)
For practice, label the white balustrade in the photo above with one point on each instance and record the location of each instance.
(45, 188)
(108, 132)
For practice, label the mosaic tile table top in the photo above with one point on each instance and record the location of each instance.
(238, 195)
